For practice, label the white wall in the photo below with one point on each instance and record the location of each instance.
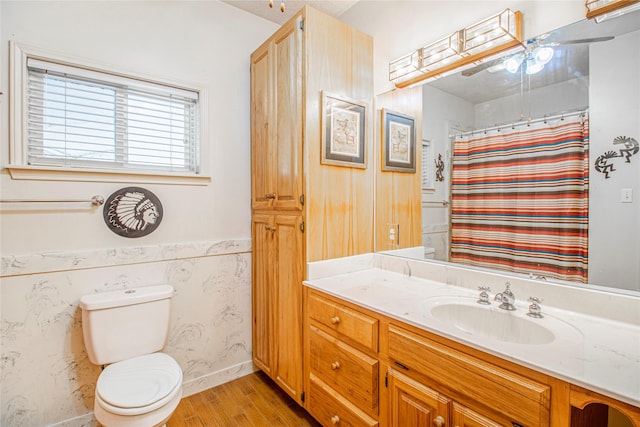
(208, 43)
(441, 113)
(53, 254)
(614, 227)
(547, 100)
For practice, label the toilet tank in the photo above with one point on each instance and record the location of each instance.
(123, 324)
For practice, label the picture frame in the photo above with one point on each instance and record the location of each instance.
(398, 142)
(343, 131)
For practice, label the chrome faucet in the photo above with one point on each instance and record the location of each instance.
(535, 309)
(506, 298)
(484, 295)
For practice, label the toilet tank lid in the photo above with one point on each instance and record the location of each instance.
(125, 297)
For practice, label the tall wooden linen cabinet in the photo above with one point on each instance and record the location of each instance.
(303, 210)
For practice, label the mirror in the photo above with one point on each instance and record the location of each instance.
(593, 65)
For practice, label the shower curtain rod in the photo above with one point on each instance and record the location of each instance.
(561, 115)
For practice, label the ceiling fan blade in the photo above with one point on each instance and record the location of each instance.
(589, 40)
(480, 67)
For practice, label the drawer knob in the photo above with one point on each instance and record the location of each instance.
(335, 320)
(335, 419)
(335, 365)
(438, 421)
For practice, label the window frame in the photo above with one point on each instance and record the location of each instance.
(18, 114)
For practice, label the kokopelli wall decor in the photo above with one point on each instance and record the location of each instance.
(439, 169)
(605, 162)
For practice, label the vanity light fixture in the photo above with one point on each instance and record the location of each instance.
(471, 45)
(601, 10)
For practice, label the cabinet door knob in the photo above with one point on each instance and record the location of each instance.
(438, 421)
(270, 228)
(335, 419)
(335, 365)
(335, 320)
(270, 196)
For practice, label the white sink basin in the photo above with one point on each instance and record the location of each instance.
(489, 321)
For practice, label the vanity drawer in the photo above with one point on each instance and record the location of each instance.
(348, 371)
(329, 408)
(518, 398)
(340, 318)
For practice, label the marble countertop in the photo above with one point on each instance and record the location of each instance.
(599, 354)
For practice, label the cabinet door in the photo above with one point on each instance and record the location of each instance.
(276, 120)
(277, 299)
(414, 404)
(262, 192)
(288, 261)
(287, 129)
(263, 295)
(465, 417)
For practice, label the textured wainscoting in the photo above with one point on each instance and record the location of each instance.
(46, 376)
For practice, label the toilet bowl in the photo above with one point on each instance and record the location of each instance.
(125, 331)
(141, 392)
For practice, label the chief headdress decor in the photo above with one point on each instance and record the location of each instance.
(132, 212)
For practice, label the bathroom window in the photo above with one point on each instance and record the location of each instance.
(82, 118)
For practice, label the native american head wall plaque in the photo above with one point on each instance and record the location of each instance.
(132, 212)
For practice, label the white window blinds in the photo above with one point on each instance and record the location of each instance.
(81, 118)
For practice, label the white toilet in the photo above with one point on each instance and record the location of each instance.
(125, 330)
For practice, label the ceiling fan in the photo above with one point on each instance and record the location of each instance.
(534, 56)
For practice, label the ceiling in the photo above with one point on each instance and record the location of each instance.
(261, 8)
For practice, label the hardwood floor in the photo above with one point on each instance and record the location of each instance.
(253, 400)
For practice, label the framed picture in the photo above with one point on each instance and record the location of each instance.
(343, 131)
(399, 142)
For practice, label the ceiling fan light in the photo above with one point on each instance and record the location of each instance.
(534, 66)
(513, 63)
(543, 54)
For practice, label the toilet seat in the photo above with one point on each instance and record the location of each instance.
(139, 385)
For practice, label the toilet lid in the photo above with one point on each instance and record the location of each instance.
(139, 382)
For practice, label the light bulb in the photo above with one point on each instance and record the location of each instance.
(543, 54)
(534, 66)
(513, 63)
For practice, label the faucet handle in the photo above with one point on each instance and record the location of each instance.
(534, 308)
(484, 296)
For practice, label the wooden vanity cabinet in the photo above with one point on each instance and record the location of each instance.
(590, 409)
(341, 347)
(411, 403)
(477, 392)
(366, 369)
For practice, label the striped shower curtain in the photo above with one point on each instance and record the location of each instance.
(519, 198)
